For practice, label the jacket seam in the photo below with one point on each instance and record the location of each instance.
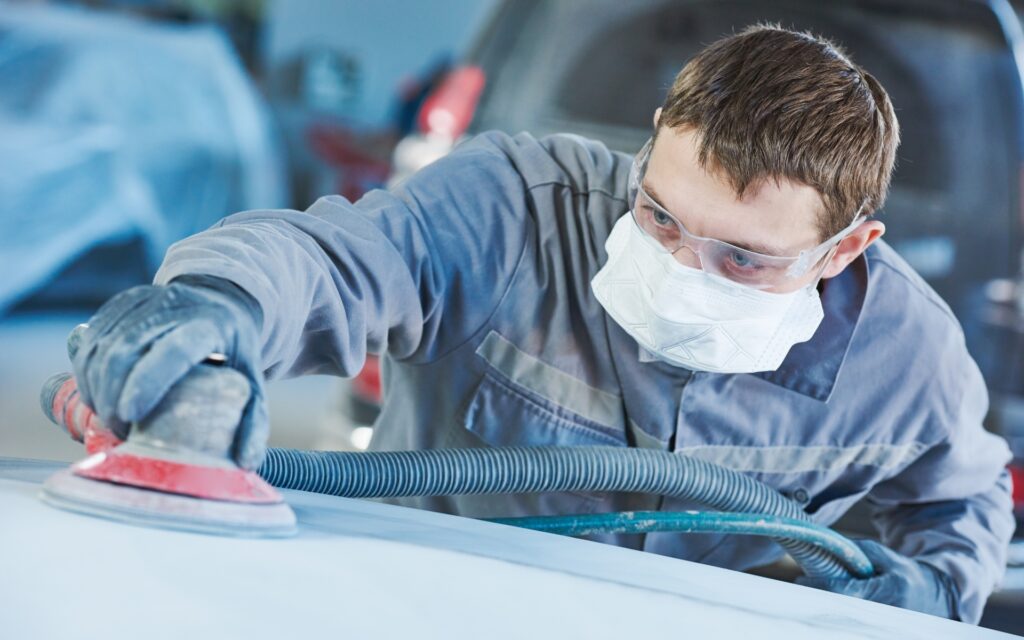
(487, 321)
(892, 268)
(577, 192)
(511, 280)
(519, 353)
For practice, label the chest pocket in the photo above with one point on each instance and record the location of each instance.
(522, 401)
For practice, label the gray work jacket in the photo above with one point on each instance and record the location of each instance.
(473, 279)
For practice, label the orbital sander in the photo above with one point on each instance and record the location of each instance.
(164, 475)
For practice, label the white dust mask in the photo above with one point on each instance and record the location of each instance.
(694, 319)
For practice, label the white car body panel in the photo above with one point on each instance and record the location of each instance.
(363, 569)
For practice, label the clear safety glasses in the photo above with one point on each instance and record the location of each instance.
(743, 266)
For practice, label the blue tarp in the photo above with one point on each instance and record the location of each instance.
(112, 128)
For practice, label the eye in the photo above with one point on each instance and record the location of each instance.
(662, 219)
(740, 260)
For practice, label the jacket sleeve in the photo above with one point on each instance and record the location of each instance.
(952, 507)
(414, 271)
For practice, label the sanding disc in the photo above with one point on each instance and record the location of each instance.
(151, 508)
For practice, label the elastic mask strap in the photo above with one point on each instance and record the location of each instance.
(839, 237)
(824, 264)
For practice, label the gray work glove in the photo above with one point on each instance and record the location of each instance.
(900, 581)
(144, 340)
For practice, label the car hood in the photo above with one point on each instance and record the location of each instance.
(368, 569)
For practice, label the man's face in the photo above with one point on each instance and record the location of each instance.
(774, 218)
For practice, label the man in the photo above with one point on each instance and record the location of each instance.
(722, 295)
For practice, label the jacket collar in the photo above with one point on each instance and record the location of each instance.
(812, 367)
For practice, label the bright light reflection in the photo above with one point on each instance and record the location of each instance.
(361, 437)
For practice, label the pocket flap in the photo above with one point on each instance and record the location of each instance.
(550, 384)
(503, 415)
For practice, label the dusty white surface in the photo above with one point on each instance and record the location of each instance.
(359, 569)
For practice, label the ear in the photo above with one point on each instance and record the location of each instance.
(657, 117)
(852, 246)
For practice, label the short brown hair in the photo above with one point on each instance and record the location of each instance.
(769, 103)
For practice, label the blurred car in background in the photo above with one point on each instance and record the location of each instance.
(953, 69)
(118, 136)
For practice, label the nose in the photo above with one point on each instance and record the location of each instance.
(687, 256)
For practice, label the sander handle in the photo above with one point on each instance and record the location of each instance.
(63, 405)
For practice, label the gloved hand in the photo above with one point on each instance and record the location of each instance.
(900, 581)
(143, 340)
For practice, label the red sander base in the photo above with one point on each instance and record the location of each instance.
(150, 486)
(148, 481)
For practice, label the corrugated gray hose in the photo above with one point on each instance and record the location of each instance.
(446, 472)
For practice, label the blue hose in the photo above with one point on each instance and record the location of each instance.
(501, 470)
(753, 524)
(444, 472)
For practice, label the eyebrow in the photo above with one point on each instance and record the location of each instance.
(768, 250)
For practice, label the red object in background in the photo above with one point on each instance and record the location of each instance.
(367, 383)
(449, 110)
(1017, 474)
(359, 169)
